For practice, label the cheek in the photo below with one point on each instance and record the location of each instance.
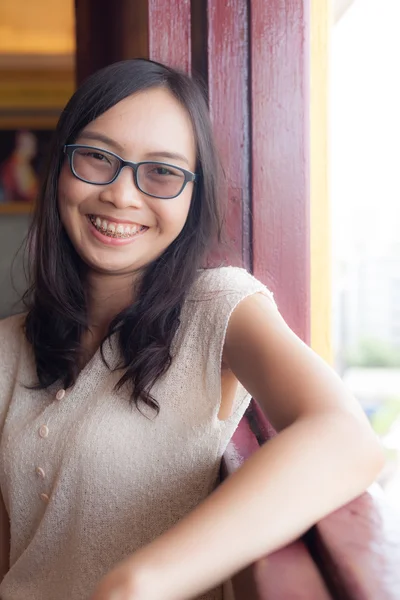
(173, 214)
(71, 193)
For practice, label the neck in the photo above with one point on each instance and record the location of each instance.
(107, 295)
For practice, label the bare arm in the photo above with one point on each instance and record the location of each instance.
(325, 455)
(4, 540)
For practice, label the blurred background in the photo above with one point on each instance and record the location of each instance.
(365, 209)
(37, 75)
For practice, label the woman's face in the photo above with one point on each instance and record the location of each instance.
(116, 228)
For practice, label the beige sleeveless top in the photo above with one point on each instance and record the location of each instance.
(85, 478)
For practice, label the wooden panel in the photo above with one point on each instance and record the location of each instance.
(199, 28)
(358, 549)
(109, 31)
(95, 36)
(133, 30)
(320, 240)
(280, 154)
(34, 86)
(289, 573)
(228, 81)
(16, 208)
(169, 32)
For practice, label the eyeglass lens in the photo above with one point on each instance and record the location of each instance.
(156, 179)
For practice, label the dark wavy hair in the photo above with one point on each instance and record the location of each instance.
(56, 303)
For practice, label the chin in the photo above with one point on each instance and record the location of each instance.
(111, 267)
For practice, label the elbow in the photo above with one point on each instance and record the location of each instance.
(367, 450)
(377, 458)
(356, 450)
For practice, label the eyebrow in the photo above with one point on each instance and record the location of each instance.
(100, 137)
(155, 154)
(166, 154)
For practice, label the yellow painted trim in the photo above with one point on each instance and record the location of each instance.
(16, 208)
(37, 26)
(321, 303)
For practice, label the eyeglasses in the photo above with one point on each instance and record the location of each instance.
(101, 167)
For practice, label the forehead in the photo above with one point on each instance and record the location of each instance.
(145, 122)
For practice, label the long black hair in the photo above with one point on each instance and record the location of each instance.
(56, 300)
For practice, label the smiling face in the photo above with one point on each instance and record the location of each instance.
(115, 228)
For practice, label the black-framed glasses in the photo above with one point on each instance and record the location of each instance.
(102, 167)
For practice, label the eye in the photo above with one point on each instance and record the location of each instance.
(91, 156)
(163, 171)
(97, 156)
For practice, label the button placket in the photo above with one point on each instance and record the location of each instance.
(43, 431)
(60, 394)
(40, 472)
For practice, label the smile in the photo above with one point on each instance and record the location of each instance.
(116, 230)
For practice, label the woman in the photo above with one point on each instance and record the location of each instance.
(123, 383)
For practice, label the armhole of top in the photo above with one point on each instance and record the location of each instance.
(235, 404)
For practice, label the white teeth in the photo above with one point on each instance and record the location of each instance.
(114, 230)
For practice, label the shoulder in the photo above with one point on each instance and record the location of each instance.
(12, 327)
(229, 283)
(11, 337)
(214, 296)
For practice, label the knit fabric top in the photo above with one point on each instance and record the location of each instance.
(87, 479)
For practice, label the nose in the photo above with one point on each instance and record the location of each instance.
(123, 192)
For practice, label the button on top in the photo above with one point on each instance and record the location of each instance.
(60, 394)
(40, 472)
(44, 497)
(43, 431)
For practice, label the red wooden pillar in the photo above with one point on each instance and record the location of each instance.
(110, 31)
(258, 77)
(169, 32)
(228, 83)
(280, 39)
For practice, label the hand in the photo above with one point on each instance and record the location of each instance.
(122, 583)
